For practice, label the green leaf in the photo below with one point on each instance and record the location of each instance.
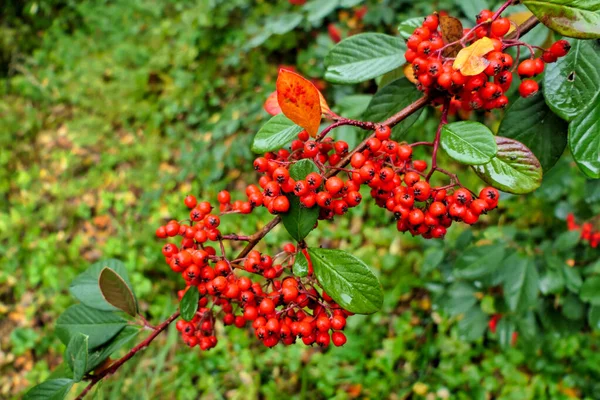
(572, 307)
(406, 28)
(520, 282)
(278, 132)
(299, 220)
(189, 303)
(469, 142)
(594, 317)
(283, 23)
(318, 9)
(364, 56)
(300, 267)
(572, 278)
(531, 122)
(99, 326)
(514, 169)
(552, 281)
(115, 291)
(580, 18)
(505, 330)
(590, 291)
(97, 356)
(392, 98)
(473, 324)
(584, 139)
(53, 389)
(567, 240)
(461, 297)
(433, 258)
(347, 279)
(477, 262)
(85, 286)
(572, 83)
(76, 355)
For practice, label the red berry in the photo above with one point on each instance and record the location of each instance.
(281, 204)
(224, 197)
(190, 201)
(383, 132)
(334, 185)
(560, 48)
(527, 69)
(528, 87)
(338, 338)
(500, 27)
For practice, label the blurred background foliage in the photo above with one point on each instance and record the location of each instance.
(111, 111)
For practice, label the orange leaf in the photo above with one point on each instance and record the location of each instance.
(470, 60)
(272, 105)
(409, 72)
(299, 100)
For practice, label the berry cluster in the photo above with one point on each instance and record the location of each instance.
(589, 233)
(484, 91)
(280, 310)
(396, 181)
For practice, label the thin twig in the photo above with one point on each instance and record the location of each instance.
(117, 364)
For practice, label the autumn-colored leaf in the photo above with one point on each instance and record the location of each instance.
(272, 105)
(452, 30)
(325, 110)
(470, 60)
(299, 100)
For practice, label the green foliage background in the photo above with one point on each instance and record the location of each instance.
(112, 111)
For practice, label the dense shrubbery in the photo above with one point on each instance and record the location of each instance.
(114, 111)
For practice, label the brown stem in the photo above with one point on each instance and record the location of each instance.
(117, 364)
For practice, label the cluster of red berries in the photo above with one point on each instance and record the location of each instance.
(281, 309)
(588, 232)
(485, 91)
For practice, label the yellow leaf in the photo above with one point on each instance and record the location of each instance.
(409, 72)
(470, 60)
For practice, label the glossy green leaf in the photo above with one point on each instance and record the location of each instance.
(85, 286)
(283, 23)
(364, 56)
(579, 18)
(278, 132)
(389, 100)
(469, 142)
(316, 10)
(520, 283)
(590, 290)
(407, 27)
(572, 83)
(52, 389)
(515, 169)
(97, 356)
(479, 261)
(299, 220)
(531, 122)
(584, 139)
(76, 355)
(189, 303)
(300, 267)
(115, 291)
(572, 307)
(347, 279)
(99, 326)
(433, 258)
